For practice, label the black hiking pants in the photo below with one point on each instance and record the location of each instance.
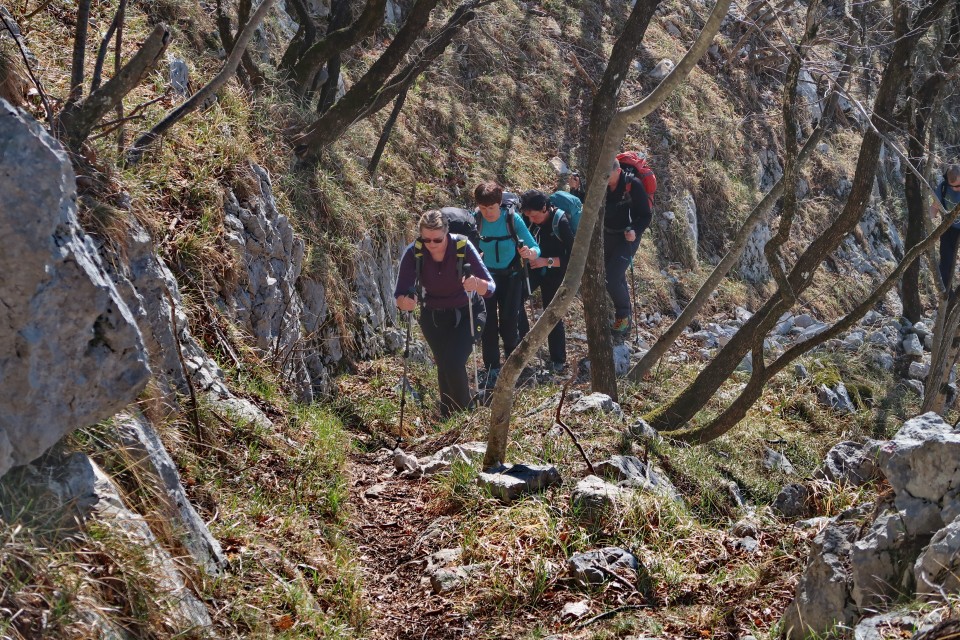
(448, 333)
(503, 312)
(548, 284)
(948, 255)
(617, 255)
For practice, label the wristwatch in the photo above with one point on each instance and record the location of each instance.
(549, 262)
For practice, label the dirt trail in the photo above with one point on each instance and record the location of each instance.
(394, 535)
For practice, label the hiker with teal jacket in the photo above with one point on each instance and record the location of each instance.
(505, 242)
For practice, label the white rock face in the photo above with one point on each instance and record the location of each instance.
(70, 350)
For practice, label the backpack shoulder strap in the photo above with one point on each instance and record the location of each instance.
(943, 189)
(418, 258)
(511, 227)
(557, 217)
(461, 244)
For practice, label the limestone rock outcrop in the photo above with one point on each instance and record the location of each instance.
(70, 350)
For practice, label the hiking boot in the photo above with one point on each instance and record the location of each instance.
(557, 367)
(490, 379)
(621, 326)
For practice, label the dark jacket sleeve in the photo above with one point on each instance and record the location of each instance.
(407, 276)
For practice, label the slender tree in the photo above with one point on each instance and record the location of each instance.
(502, 402)
(908, 29)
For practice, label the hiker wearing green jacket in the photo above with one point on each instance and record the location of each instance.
(504, 242)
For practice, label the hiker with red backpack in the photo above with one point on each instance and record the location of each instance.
(628, 212)
(946, 196)
(505, 242)
(441, 271)
(553, 231)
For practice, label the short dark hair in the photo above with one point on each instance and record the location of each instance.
(533, 200)
(488, 192)
(434, 221)
(953, 172)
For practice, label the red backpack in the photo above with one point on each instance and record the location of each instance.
(636, 165)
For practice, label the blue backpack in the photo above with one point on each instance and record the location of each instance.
(570, 205)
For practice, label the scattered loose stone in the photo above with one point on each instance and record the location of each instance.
(517, 480)
(179, 76)
(404, 462)
(643, 431)
(801, 372)
(596, 402)
(791, 502)
(662, 70)
(592, 498)
(912, 346)
(744, 529)
(804, 320)
(884, 360)
(847, 463)
(595, 567)
(444, 580)
(918, 370)
(836, 398)
(631, 472)
(747, 544)
(776, 461)
(916, 385)
(575, 610)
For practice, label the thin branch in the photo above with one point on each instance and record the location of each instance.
(207, 92)
(104, 44)
(559, 421)
(194, 407)
(33, 76)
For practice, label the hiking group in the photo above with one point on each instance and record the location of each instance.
(471, 272)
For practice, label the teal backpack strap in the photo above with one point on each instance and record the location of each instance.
(557, 217)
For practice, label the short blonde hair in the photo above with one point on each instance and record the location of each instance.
(434, 221)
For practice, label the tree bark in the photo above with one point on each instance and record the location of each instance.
(304, 68)
(339, 18)
(695, 396)
(79, 52)
(387, 129)
(502, 403)
(78, 119)
(921, 106)
(105, 44)
(596, 307)
(206, 93)
(372, 92)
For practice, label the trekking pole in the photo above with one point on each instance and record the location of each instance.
(473, 342)
(526, 269)
(403, 379)
(633, 283)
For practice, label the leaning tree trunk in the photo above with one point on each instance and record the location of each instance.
(920, 108)
(696, 395)
(331, 125)
(596, 307)
(502, 403)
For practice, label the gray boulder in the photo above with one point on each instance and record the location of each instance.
(776, 461)
(847, 463)
(631, 472)
(518, 480)
(596, 567)
(70, 353)
(912, 346)
(822, 600)
(142, 444)
(881, 561)
(937, 569)
(596, 403)
(920, 464)
(592, 499)
(836, 398)
(791, 502)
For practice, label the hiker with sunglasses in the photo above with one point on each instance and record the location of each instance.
(442, 288)
(505, 242)
(946, 197)
(553, 232)
(626, 216)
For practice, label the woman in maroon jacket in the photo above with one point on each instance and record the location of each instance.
(444, 313)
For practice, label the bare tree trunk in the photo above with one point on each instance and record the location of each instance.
(117, 54)
(695, 396)
(105, 45)
(751, 393)
(921, 105)
(370, 94)
(303, 68)
(79, 52)
(339, 18)
(79, 118)
(246, 60)
(502, 403)
(206, 93)
(739, 243)
(387, 129)
(596, 307)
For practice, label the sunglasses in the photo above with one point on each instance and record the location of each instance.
(432, 240)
